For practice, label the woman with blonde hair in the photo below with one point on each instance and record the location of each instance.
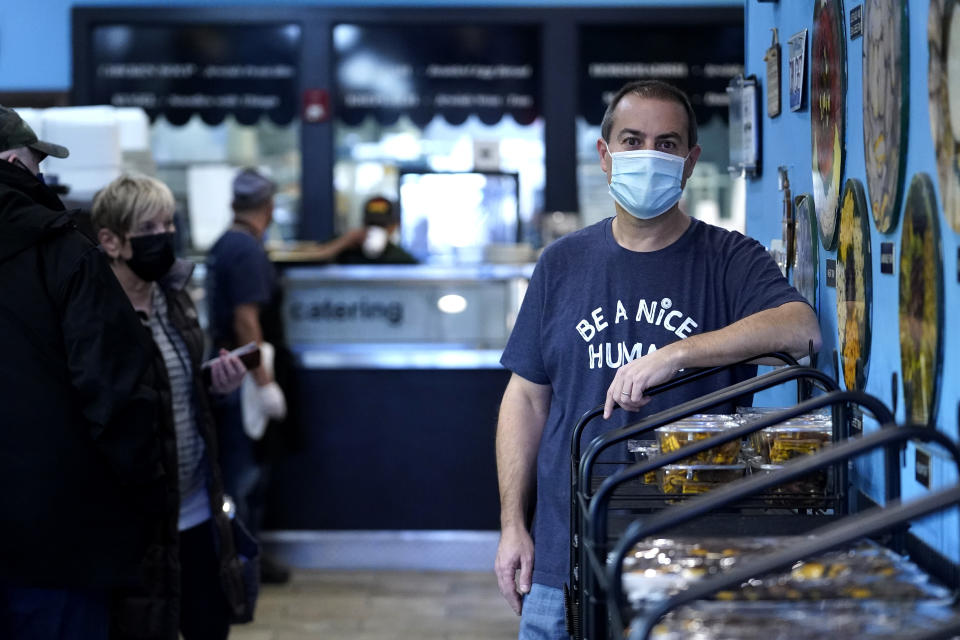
(187, 582)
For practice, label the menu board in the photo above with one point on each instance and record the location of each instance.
(179, 70)
(453, 70)
(699, 59)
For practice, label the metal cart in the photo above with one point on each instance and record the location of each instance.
(892, 517)
(623, 492)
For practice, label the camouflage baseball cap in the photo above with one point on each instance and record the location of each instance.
(14, 133)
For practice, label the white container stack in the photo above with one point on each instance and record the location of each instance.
(93, 136)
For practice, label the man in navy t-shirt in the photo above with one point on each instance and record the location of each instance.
(612, 310)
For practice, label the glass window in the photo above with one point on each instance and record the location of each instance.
(371, 157)
(198, 161)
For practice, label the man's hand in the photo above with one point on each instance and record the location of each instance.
(514, 553)
(633, 378)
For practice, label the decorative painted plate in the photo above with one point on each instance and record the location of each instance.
(943, 34)
(806, 262)
(885, 106)
(828, 86)
(921, 302)
(854, 285)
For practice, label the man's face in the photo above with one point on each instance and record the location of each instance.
(649, 124)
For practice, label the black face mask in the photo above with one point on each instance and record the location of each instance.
(153, 256)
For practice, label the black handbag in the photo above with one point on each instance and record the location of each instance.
(239, 566)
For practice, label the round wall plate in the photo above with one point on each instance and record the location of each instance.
(854, 285)
(921, 302)
(943, 35)
(806, 262)
(885, 106)
(828, 80)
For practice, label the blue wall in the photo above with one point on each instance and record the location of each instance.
(786, 141)
(28, 65)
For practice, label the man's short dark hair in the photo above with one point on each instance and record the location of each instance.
(658, 90)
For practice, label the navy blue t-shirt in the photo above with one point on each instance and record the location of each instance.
(238, 272)
(592, 306)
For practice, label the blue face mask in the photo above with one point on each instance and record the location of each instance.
(646, 183)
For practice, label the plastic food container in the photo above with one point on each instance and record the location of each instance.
(697, 478)
(813, 485)
(659, 567)
(642, 451)
(776, 445)
(803, 621)
(680, 434)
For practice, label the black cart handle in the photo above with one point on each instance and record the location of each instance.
(677, 381)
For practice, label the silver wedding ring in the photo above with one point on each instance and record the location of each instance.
(624, 393)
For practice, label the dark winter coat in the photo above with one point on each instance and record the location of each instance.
(79, 456)
(153, 610)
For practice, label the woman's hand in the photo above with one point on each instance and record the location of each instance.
(226, 373)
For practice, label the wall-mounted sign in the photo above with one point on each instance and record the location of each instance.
(921, 302)
(744, 126)
(856, 22)
(805, 259)
(772, 58)
(179, 70)
(700, 59)
(943, 32)
(828, 88)
(886, 257)
(885, 107)
(316, 105)
(831, 273)
(386, 70)
(854, 285)
(798, 75)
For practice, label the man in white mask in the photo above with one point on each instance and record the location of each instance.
(611, 310)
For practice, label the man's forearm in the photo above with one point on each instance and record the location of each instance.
(788, 328)
(520, 426)
(246, 327)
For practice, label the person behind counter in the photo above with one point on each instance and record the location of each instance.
(133, 216)
(382, 222)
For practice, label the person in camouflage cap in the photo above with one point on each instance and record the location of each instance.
(20, 145)
(78, 445)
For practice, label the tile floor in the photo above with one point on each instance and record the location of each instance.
(382, 605)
